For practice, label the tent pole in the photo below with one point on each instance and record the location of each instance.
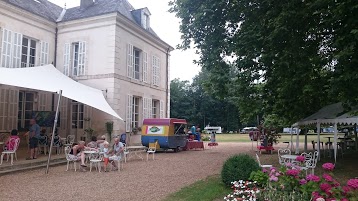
(298, 142)
(53, 131)
(319, 140)
(355, 136)
(291, 139)
(305, 146)
(335, 143)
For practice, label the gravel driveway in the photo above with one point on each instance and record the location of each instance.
(140, 180)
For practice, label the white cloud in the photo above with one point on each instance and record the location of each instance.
(166, 25)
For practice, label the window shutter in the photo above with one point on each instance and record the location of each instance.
(63, 113)
(158, 71)
(130, 60)
(150, 108)
(161, 109)
(3, 111)
(6, 48)
(42, 101)
(16, 50)
(145, 67)
(44, 53)
(66, 59)
(81, 58)
(129, 113)
(145, 107)
(13, 108)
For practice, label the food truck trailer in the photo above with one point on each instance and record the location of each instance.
(168, 133)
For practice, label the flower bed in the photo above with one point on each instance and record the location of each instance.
(292, 184)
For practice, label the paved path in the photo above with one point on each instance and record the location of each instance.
(140, 180)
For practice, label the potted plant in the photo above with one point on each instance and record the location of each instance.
(109, 129)
(135, 130)
(89, 133)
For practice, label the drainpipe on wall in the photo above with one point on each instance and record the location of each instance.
(55, 64)
(167, 84)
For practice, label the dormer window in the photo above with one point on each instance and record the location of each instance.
(145, 21)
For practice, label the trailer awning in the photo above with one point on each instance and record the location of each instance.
(48, 78)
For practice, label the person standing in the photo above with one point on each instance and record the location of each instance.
(34, 135)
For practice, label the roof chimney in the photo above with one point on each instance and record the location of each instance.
(86, 3)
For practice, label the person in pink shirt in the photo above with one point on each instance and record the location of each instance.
(10, 141)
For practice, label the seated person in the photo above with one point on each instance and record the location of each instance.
(93, 143)
(10, 141)
(100, 142)
(43, 137)
(117, 151)
(77, 153)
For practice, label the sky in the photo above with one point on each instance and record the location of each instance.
(166, 25)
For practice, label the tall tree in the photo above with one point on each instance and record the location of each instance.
(286, 58)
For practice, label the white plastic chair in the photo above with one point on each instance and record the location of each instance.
(11, 153)
(283, 152)
(152, 150)
(118, 159)
(57, 144)
(125, 153)
(70, 140)
(262, 166)
(96, 159)
(67, 152)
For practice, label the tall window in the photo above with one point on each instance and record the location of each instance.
(76, 51)
(28, 52)
(136, 53)
(77, 115)
(135, 112)
(26, 106)
(155, 109)
(75, 58)
(145, 22)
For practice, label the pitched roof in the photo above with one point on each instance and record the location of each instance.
(52, 12)
(42, 8)
(102, 7)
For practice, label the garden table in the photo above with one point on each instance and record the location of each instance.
(89, 153)
(289, 158)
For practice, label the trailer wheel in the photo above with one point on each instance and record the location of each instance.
(177, 149)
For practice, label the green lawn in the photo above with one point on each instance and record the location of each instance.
(284, 137)
(208, 189)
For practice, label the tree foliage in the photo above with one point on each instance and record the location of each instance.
(283, 58)
(193, 103)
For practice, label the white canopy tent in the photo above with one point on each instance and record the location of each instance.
(48, 78)
(333, 114)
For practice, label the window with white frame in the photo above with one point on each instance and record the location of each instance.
(156, 71)
(155, 108)
(25, 108)
(28, 53)
(136, 53)
(77, 115)
(3, 111)
(145, 21)
(137, 63)
(147, 108)
(75, 52)
(135, 112)
(44, 53)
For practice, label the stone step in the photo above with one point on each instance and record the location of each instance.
(31, 165)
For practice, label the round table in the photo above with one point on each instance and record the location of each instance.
(137, 150)
(289, 158)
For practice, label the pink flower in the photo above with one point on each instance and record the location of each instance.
(288, 164)
(320, 198)
(300, 158)
(344, 199)
(353, 183)
(273, 178)
(346, 189)
(303, 181)
(324, 186)
(312, 177)
(277, 174)
(264, 170)
(315, 194)
(328, 166)
(293, 172)
(327, 177)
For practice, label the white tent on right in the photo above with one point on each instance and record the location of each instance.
(333, 114)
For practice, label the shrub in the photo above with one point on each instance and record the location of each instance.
(238, 167)
(260, 177)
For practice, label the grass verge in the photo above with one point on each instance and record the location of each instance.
(211, 188)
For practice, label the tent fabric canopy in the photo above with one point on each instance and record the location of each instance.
(330, 114)
(48, 78)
